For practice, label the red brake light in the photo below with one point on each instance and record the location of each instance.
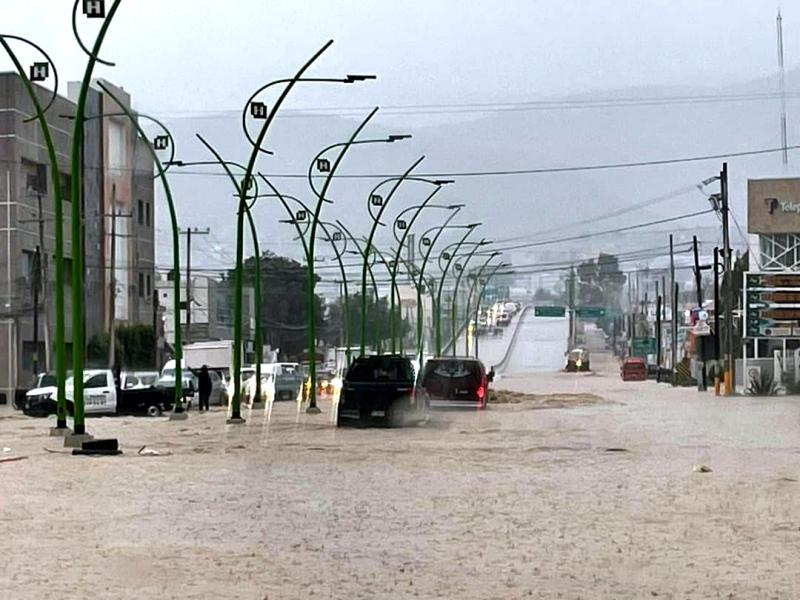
(481, 392)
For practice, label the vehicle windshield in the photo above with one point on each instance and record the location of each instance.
(467, 371)
(47, 380)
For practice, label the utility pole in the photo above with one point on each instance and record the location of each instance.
(41, 291)
(658, 336)
(674, 314)
(730, 385)
(698, 278)
(112, 278)
(189, 232)
(571, 302)
(36, 284)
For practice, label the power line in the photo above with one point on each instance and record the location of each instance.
(508, 172)
(530, 105)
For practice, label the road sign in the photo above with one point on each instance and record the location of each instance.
(590, 312)
(642, 346)
(772, 304)
(702, 328)
(549, 311)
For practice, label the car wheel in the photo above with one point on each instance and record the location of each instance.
(154, 410)
(394, 415)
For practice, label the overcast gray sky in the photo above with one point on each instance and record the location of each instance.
(179, 58)
(207, 54)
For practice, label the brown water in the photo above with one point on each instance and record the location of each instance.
(515, 501)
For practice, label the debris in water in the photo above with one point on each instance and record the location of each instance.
(5, 459)
(701, 469)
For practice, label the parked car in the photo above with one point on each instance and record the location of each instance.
(453, 381)
(633, 368)
(577, 360)
(383, 386)
(101, 396)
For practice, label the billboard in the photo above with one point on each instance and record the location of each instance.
(773, 205)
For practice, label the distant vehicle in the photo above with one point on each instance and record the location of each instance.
(101, 396)
(511, 308)
(217, 355)
(381, 385)
(633, 368)
(450, 382)
(577, 360)
(503, 319)
(287, 378)
(219, 394)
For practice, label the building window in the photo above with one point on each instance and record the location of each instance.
(66, 187)
(141, 285)
(780, 251)
(141, 212)
(35, 177)
(149, 287)
(147, 213)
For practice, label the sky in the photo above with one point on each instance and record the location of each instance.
(187, 55)
(194, 63)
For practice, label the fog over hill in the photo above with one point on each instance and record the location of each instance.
(510, 138)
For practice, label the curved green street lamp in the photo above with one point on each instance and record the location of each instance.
(461, 268)
(480, 296)
(257, 259)
(428, 244)
(258, 110)
(79, 426)
(401, 224)
(59, 337)
(469, 297)
(162, 174)
(361, 252)
(302, 216)
(448, 258)
(375, 199)
(323, 165)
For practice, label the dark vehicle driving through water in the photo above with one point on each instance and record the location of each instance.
(380, 386)
(453, 381)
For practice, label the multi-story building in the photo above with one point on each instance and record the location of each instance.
(211, 306)
(117, 176)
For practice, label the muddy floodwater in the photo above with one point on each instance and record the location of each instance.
(574, 486)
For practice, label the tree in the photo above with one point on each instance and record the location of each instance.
(134, 348)
(377, 322)
(284, 288)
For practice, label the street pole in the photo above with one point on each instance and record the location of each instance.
(674, 314)
(453, 318)
(571, 304)
(43, 282)
(189, 232)
(36, 284)
(112, 277)
(698, 278)
(438, 310)
(729, 377)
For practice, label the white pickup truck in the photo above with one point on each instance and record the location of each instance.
(101, 396)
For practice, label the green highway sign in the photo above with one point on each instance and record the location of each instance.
(643, 346)
(549, 311)
(591, 312)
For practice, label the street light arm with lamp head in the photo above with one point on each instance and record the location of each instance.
(375, 221)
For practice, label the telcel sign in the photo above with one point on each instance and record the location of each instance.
(773, 205)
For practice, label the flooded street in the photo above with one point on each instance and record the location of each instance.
(596, 498)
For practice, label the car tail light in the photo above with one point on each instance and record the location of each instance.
(481, 392)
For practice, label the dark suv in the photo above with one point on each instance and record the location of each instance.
(380, 386)
(456, 381)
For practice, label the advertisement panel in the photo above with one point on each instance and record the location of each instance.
(772, 304)
(773, 205)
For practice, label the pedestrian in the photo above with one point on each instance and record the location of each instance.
(203, 387)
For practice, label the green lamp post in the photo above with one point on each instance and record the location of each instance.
(461, 268)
